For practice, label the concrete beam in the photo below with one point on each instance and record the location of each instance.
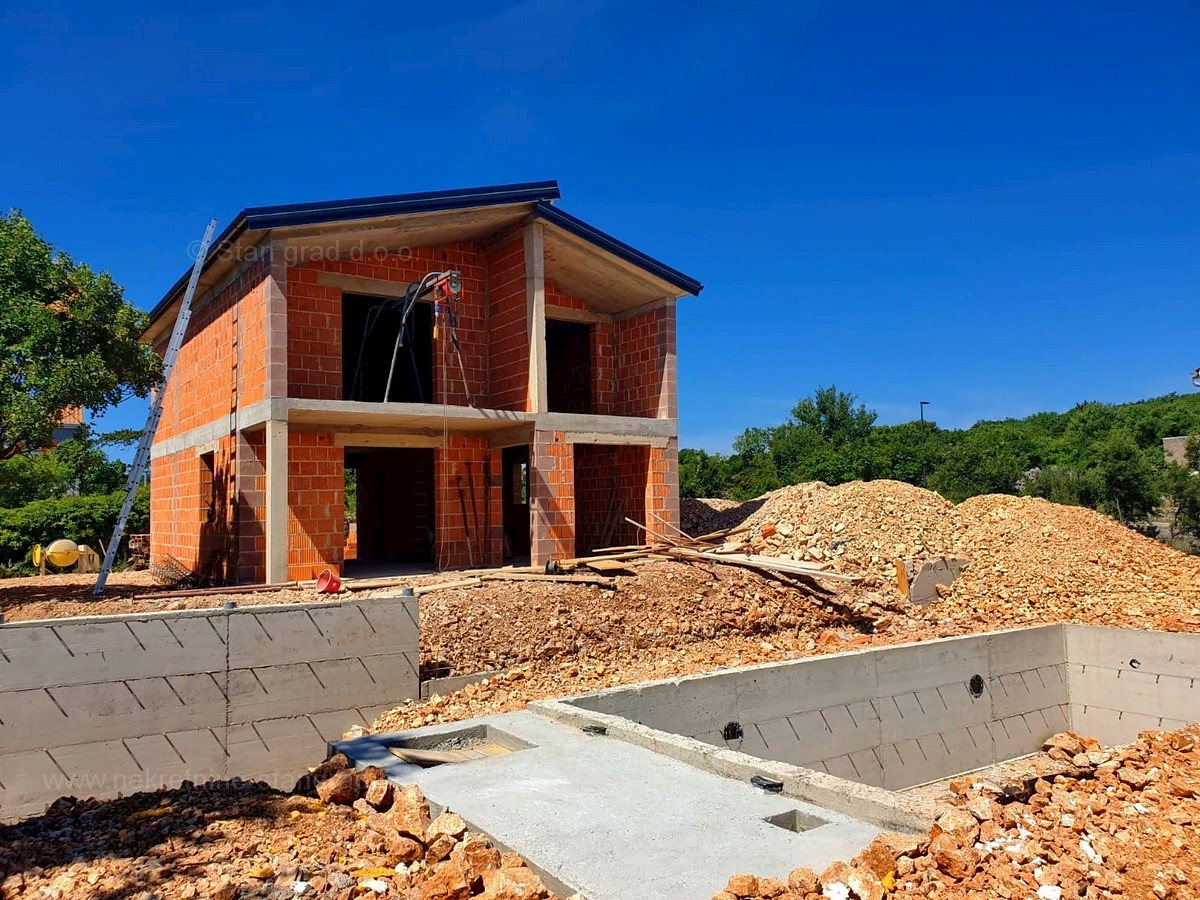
(570, 314)
(247, 418)
(535, 314)
(356, 284)
(505, 427)
(609, 425)
(384, 439)
(633, 440)
(517, 436)
(277, 502)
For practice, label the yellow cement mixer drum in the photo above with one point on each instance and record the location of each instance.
(62, 553)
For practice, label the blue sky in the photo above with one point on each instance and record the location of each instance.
(995, 208)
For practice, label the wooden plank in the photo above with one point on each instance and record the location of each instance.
(767, 563)
(407, 582)
(560, 579)
(607, 565)
(231, 589)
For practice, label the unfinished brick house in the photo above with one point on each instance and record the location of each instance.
(527, 412)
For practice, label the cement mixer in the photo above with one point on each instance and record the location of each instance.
(63, 554)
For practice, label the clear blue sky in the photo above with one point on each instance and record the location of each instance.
(993, 207)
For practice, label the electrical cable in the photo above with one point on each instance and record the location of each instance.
(410, 300)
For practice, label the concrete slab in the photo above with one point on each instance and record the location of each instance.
(613, 820)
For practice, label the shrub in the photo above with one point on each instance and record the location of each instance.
(85, 520)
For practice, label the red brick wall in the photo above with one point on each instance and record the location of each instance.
(610, 485)
(507, 326)
(314, 330)
(315, 322)
(181, 497)
(645, 378)
(632, 369)
(175, 498)
(316, 504)
(221, 367)
(468, 462)
(552, 497)
(252, 507)
(206, 383)
(662, 488)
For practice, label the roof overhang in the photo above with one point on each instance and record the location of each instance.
(607, 274)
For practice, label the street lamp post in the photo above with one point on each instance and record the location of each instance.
(924, 440)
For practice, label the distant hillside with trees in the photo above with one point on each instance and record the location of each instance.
(1105, 456)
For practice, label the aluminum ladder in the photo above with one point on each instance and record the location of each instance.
(142, 457)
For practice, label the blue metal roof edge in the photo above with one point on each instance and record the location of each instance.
(583, 230)
(261, 217)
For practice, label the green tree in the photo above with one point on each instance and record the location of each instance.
(76, 467)
(1125, 478)
(977, 464)
(702, 474)
(832, 414)
(68, 339)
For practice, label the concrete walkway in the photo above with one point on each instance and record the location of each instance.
(612, 820)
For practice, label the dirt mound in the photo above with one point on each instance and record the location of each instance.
(1027, 558)
(664, 606)
(860, 527)
(1030, 557)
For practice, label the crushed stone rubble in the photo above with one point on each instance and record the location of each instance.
(1025, 556)
(356, 835)
(1120, 823)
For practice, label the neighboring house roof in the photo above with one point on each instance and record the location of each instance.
(535, 196)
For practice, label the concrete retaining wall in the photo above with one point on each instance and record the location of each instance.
(1125, 681)
(117, 704)
(893, 717)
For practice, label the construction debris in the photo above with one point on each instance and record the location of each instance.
(1119, 824)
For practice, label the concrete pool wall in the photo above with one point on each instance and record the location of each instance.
(900, 716)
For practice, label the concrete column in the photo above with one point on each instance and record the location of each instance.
(277, 501)
(535, 315)
(276, 324)
(668, 399)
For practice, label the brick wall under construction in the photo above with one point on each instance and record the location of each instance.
(208, 507)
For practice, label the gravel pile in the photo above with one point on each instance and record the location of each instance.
(1032, 558)
(1119, 824)
(354, 837)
